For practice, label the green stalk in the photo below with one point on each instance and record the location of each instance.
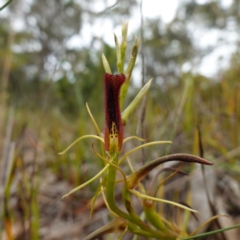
(212, 232)
(128, 205)
(35, 224)
(138, 221)
(152, 216)
(110, 188)
(110, 196)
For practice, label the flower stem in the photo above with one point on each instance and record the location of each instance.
(110, 188)
(132, 219)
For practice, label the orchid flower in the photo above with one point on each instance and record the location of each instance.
(113, 132)
(154, 225)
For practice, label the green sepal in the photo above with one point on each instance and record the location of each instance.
(133, 105)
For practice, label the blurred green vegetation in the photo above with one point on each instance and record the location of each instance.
(46, 83)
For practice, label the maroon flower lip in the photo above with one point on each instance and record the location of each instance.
(113, 132)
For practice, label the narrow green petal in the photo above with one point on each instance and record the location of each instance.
(133, 137)
(79, 139)
(89, 181)
(142, 146)
(143, 196)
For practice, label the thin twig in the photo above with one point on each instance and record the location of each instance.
(109, 8)
(143, 106)
(5, 5)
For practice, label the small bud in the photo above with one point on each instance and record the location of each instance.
(133, 58)
(106, 64)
